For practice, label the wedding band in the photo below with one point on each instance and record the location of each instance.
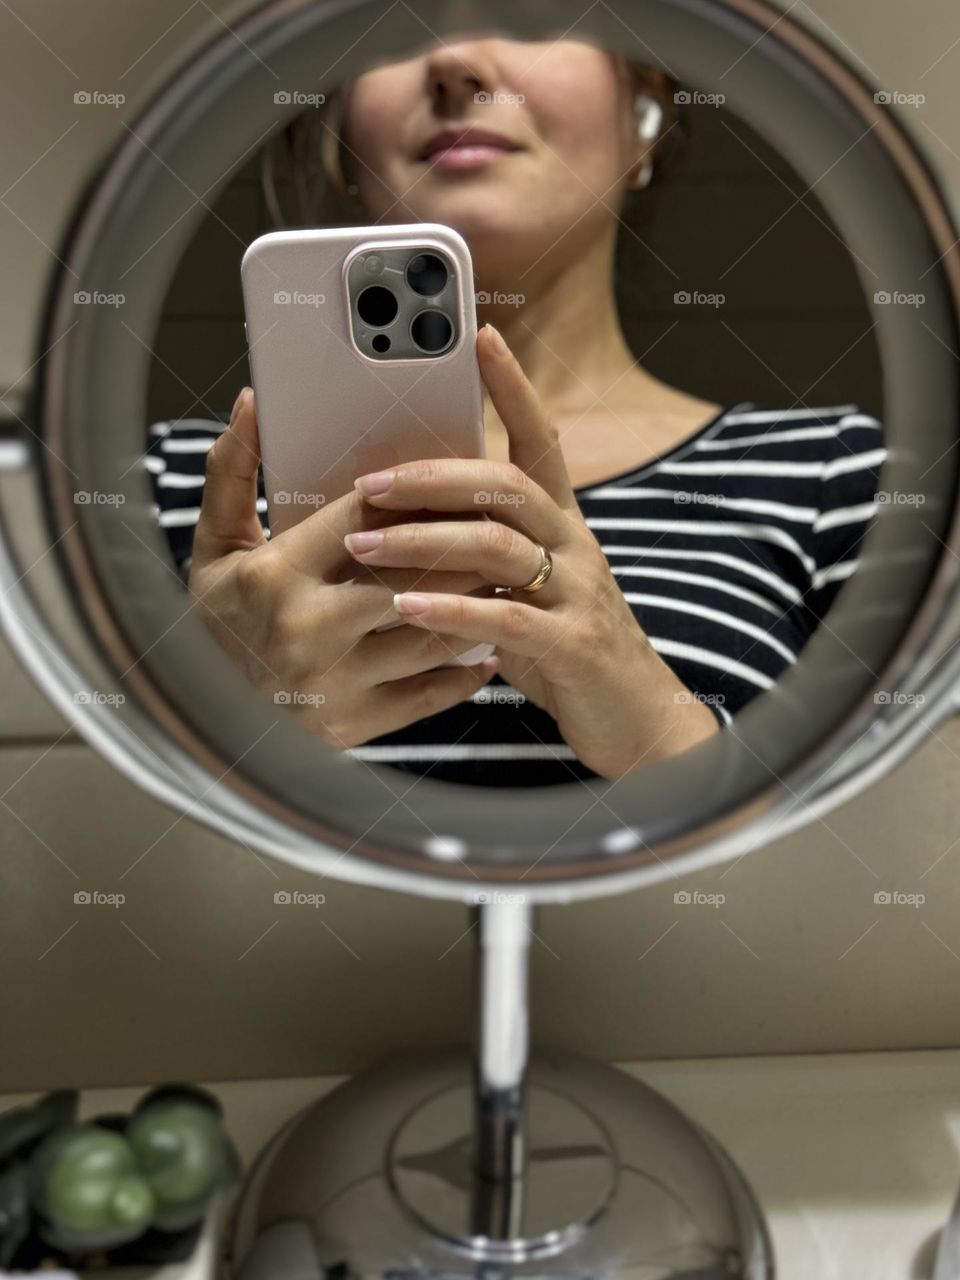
(543, 573)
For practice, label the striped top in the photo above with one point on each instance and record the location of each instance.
(729, 549)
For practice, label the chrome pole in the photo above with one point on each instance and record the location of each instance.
(503, 932)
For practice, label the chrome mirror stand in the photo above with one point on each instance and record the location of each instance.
(536, 1166)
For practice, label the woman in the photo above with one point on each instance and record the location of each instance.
(694, 547)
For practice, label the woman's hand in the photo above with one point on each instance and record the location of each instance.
(287, 613)
(573, 647)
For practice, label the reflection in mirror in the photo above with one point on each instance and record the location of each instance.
(681, 435)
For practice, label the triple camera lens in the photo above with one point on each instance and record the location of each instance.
(430, 330)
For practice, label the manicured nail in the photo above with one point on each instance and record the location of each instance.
(498, 343)
(358, 543)
(236, 405)
(376, 482)
(411, 602)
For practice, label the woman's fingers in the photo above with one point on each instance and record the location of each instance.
(499, 554)
(477, 486)
(369, 595)
(403, 702)
(406, 651)
(509, 624)
(228, 512)
(534, 441)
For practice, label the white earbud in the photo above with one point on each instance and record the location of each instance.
(649, 115)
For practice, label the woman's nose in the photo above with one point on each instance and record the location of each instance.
(455, 75)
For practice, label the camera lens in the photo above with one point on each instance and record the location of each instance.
(431, 331)
(426, 274)
(377, 306)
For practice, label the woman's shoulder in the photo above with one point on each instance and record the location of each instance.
(819, 442)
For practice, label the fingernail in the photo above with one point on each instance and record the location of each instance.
(358, 543)
(411, 602)
(236, 405)
(376, 482)
(498, 343)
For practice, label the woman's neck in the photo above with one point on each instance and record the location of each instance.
(566, 331)
(611, 413)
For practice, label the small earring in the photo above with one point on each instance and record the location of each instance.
(352, 189)
(649, 115)
(643, 177)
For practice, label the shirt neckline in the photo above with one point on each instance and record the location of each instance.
(668, 453)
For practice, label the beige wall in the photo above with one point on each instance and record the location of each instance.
(198, 974)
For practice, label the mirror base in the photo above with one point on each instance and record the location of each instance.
(374, 1180)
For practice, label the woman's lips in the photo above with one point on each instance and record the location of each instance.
(461, 151)
(467, 155)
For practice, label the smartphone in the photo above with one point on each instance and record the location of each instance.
(362, 355)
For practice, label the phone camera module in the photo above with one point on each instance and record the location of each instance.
(377, 306)
(427, 274)
(431, 331)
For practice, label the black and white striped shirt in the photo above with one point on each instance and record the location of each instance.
(729, 548)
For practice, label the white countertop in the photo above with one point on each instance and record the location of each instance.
(854, 1157)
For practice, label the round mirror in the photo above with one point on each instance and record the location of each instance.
(748, 574)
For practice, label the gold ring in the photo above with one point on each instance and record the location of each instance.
(543, 573)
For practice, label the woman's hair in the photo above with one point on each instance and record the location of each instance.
(309, 163)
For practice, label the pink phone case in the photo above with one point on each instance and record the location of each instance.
(327, 412)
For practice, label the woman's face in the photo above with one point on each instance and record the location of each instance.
(495, 138)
